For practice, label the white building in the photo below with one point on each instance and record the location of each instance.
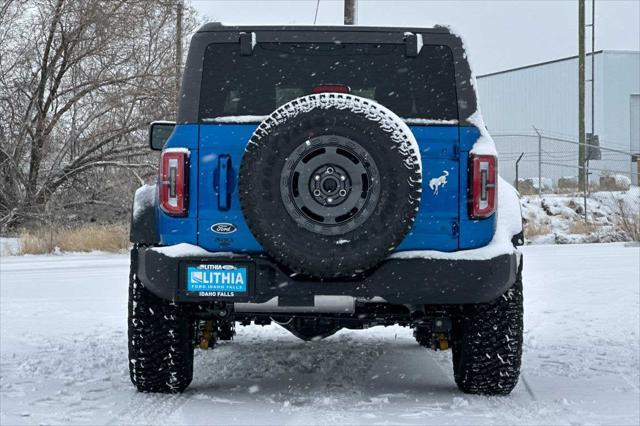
(545, 96)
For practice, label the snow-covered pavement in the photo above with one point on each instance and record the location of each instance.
(63, 355)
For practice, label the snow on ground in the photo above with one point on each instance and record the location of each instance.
(9, 246)
(63, 355)
(556, 216)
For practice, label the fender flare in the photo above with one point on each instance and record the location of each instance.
(144, 223)
(509, 200)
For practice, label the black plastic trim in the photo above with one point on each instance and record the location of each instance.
(143, 228)
(401, 281)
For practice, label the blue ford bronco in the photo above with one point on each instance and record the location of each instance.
(324, 178)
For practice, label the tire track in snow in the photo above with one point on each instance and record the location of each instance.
(149, 409)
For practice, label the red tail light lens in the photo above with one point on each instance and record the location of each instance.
(484, 173)
(173, 182)
(331, 88)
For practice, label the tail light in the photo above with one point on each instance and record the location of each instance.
(173, 181)
(483, 185)
(331, 88)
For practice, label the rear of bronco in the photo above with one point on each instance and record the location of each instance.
(325, 178)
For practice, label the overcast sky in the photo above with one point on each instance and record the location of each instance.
(499, 34)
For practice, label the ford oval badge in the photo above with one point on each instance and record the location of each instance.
(223, 228)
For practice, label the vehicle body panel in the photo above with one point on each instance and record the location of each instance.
(436, 224)
(442, 222)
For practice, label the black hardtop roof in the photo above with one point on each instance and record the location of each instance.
(218, 26)
(215, 32)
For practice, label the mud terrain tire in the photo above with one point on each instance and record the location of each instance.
(330, 184)
(487, 345)
(160, 340)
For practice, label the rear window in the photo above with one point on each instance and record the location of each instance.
(412, 87)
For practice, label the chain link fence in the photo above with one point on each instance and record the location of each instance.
(539, 162)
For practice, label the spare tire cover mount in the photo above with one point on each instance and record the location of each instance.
(330, 184)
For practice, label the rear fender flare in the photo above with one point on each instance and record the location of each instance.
(144, 220)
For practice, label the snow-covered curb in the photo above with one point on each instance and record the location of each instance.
(509, 223)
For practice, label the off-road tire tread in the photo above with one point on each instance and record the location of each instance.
(160, 340)
(487, 350)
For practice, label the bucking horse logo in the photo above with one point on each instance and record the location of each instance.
(436, 183)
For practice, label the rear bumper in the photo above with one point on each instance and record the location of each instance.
(398, 281)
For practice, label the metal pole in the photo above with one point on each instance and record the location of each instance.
(179, 8)
(350, 12)
(539, 160)
(593, 64)
(517, 174)
(581, 84)
(593, 104)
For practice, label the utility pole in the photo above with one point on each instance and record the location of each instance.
(593, 104)
(350, 12)
(593, 67)
(582, 178)
(179, 9)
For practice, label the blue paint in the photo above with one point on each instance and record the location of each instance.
(216, 150)
(223, 182)
(437, 214)
(218, 140)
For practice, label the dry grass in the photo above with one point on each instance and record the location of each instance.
(535, 228)
(627, 216)
(579, 226)
(630, 225)
(110, 238)
(526, 188)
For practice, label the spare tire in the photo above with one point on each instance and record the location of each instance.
(330, 184)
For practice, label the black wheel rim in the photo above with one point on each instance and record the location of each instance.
(330, 185)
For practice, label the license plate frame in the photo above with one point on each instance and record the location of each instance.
(218, 280)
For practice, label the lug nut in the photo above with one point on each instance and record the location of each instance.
(342, 192)
(329, 200)
(316, 192)
(342, 178)
(317, 177)
(330, 170)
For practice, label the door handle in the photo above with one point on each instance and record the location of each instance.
(224, 180)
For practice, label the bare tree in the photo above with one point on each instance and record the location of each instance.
(79, 82)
